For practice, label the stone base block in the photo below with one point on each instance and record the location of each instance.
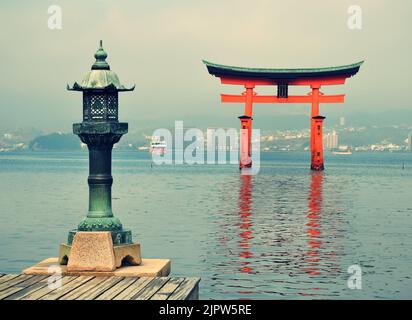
(94, 251)
(128, 254)
(147, 268)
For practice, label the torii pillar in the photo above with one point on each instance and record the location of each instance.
(316, 131)
(317, 144)
(245, 142)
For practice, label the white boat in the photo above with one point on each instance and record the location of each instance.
(342, 152)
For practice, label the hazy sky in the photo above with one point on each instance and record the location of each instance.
(158, 45)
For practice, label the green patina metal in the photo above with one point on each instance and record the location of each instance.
(100, 76)
(224, 70)
(100, 130)
(100, 56)
(338, 68)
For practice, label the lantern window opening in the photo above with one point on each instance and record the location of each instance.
(100, 106)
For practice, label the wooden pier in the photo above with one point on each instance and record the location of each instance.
(41, 287)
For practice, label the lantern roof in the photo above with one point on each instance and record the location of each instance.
(100, 77)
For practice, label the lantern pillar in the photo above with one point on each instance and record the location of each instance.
(100, 138)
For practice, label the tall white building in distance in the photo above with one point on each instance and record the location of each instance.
(342, 121)
(332, 140)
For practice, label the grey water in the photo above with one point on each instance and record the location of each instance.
(286, 233)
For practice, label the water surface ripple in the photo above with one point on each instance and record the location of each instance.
(286, 233)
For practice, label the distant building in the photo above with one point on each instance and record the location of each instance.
(332, 140)
(342, 121)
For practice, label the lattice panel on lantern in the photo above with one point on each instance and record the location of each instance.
(112, 104)
(97, 106)
(97, 113)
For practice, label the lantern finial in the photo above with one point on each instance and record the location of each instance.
(100, 56)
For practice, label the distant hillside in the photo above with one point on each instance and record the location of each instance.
(55, 141)
(374, 135)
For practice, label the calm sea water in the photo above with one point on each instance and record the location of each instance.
(286, 233)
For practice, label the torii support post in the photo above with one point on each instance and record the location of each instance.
(317, 147)
(245, 142)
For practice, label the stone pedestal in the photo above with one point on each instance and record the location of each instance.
(148, 268)
(94, 251)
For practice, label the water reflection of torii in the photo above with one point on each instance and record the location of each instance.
(321, 248)
(315, 207)
(245, 206)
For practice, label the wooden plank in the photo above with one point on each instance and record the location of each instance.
(168, 289)
(187, 290)
(116, 289)
(14, 281)
(20, 286)
(98, 290)
(151, 289)
(37, 294)
(8, 277)
(30, 289)
(72, 295)
(134, 288)
(56, 294)
(194, 295)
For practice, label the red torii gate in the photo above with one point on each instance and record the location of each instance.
(315, 78)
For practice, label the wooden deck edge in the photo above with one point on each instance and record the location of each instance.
(34, 287)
